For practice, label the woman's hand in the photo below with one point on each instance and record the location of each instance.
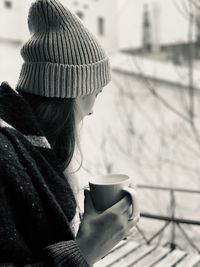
(99, 232)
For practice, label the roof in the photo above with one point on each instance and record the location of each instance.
(154, 69)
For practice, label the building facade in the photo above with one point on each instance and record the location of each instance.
(98, 16)
(168, 20)
(117, 24)
(13, 20)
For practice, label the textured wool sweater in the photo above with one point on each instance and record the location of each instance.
(36, 201)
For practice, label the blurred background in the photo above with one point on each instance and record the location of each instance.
(146, 122)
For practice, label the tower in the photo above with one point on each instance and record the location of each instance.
(197, 22)
(146, 30)
(156, 26)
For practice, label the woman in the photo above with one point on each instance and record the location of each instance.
(63, 72)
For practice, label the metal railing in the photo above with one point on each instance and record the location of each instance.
(171, 219)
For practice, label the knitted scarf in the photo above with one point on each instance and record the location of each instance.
(36, 201)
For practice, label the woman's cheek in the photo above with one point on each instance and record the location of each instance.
(89, 107)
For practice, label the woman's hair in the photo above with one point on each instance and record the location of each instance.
(56, 117)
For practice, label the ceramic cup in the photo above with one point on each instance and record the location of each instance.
(109, 189)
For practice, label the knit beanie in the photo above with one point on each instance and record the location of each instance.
(62, 58)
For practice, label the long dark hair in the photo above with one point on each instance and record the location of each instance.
(56, 117)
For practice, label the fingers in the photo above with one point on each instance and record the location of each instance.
(130, 226)
(128, 213)
(132, 232)
(134, 222)
(88, 204)
(121, 206)
(135, 201)
(130, 222)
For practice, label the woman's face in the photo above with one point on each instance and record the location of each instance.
(85, 105)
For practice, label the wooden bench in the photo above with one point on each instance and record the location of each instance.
(131, 253)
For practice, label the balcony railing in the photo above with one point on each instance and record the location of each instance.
(170, 220)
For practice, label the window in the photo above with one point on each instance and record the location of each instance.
(80, 15)
(101, 26)
(8, 4)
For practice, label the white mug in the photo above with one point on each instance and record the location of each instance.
(109, 189)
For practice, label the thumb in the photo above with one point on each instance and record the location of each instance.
(88, 204)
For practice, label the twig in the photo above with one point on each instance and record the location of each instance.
(155, 94)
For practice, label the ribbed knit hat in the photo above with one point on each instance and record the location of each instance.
(62, 58)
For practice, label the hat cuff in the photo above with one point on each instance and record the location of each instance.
(61, 80)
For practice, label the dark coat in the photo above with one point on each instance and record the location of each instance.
(36, 201)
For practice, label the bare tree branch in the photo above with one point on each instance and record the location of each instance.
(155, 94)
